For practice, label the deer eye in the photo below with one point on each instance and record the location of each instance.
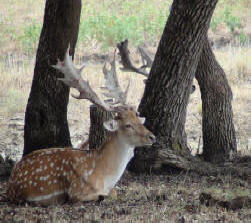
(128, 126)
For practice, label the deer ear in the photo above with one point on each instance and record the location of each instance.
(142, 120)
(111, 125)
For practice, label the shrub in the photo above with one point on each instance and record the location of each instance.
(230, 20)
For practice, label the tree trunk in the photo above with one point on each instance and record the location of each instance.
(219, 142)
(168, 87)
(46, 112)
(98, 134)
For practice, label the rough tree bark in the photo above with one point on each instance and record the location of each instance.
(46, 112)
(168, 87)
(219, 141)
(98, 134)
(175, 152)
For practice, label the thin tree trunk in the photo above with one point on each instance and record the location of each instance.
(46, 112)
(219, 141)
(168, 87)
(98, 134)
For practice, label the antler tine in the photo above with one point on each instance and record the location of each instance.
(127, 89)
(112, 84)
(72, 78)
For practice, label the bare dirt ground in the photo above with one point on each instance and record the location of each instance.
(176, 197)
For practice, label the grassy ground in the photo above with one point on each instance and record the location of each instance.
(140, 198)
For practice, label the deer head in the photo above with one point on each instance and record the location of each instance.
(130, 127)
(50, 176)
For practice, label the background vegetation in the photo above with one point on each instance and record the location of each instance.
(109, 21)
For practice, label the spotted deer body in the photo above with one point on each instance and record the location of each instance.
(55, 175)
(52, 176)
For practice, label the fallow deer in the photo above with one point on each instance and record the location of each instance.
(56, 175)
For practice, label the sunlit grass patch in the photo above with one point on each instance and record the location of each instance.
(15, 82)
(227, 193)
(14, 102)
(236, 61)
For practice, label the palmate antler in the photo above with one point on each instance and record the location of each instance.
(72, 78)
(112, 84)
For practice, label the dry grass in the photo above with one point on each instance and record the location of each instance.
(236, 62)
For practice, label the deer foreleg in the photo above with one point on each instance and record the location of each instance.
(80, 191)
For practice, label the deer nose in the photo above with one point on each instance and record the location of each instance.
(152, 138)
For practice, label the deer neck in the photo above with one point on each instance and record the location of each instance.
(117, 154)
(120, 149)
